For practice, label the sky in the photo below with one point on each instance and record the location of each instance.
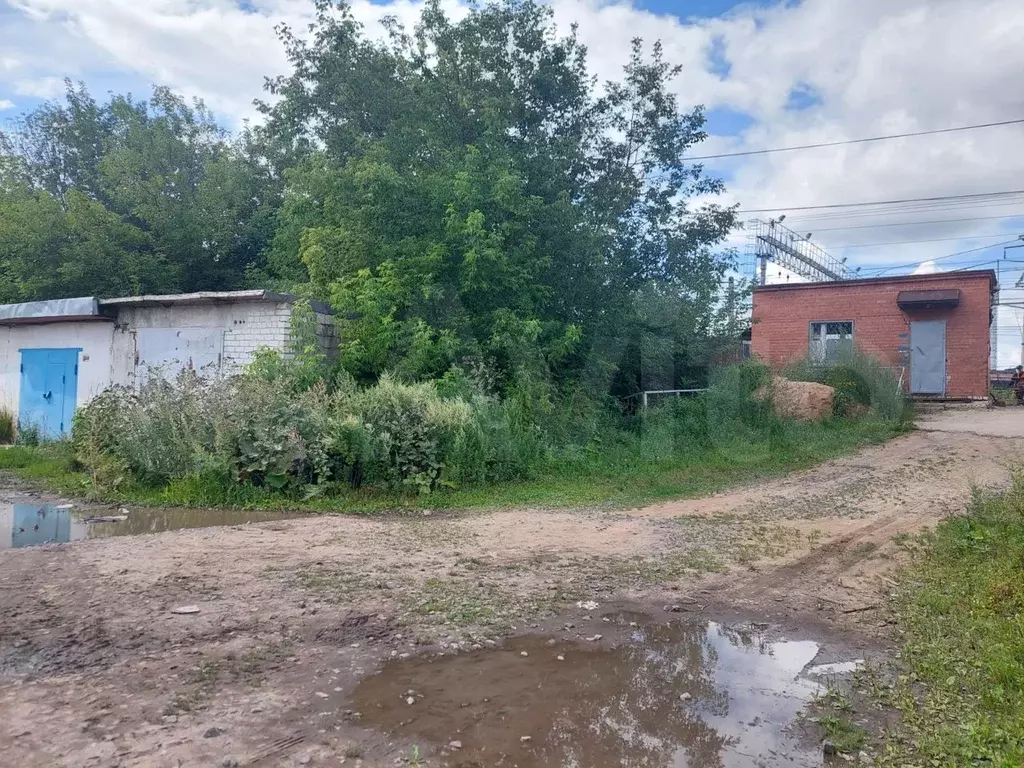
(770, 74)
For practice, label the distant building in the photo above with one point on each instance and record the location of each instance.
(56, 355)
(933, 330)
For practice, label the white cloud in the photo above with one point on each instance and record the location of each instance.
(880, 68)
(212, 49)
(6, 104)
(40, 88)
(927, 268)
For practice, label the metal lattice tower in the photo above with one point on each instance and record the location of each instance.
(770, 241)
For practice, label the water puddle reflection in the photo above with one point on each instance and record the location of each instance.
(674, 695)
(28, 525)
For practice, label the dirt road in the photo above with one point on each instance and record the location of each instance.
(96, 668)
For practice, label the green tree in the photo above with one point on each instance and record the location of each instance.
(50, 250)
(448, 187)
(196, 209)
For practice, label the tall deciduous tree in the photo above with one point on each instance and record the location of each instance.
(469, 181)
(181, 205)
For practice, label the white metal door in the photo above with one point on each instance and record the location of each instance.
(168, 351)
(928, 357)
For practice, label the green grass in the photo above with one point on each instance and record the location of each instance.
(960, 694)
(844, 735)
(50, 466)
(1004, 395)
(618, 476)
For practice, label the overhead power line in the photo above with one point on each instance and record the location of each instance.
(990, 261)
(875, 214)
(943, 198)
(907, 223)
(914, 242)
(856, 141)
(882, 270)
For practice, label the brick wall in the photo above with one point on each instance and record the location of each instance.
(782, 316)
(327, 334)
(254, 326)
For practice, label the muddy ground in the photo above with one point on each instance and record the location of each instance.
(295, 617)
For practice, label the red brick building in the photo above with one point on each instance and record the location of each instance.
(932, 329)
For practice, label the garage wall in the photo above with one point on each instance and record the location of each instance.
(95, 338)
(244, 328)
(229, 333)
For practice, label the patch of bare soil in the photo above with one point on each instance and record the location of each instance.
(96, 668)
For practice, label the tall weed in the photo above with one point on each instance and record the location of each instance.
(272, 429)
(959, 606)
(860, 381)
(165, 430)
(7, 426)
(411, 430)
(262, 429)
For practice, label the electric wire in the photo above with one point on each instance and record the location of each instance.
(914, 242)
(978, 197)
(748, 153)
(909, 223)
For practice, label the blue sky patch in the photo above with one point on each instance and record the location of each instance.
(718, 62)
(689, 9)
(804, 96)
(722, 121)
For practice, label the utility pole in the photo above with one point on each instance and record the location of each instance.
(730, 309)
(1018, 284)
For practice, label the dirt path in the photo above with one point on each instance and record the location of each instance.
(96, 669)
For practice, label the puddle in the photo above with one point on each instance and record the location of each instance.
(601, 707)
(28, 525)
(836, 668)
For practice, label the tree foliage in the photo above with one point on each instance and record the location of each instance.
(468, 188)
(464, 193)
(128, 196)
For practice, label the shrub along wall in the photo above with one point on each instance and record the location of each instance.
(862, 384)
(281, 426)
(262, 431)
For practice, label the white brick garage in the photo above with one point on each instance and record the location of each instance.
(123, 340)
(208, 331)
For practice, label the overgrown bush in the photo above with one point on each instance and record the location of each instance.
(7, 426)
(279, 427)
(862, 383)
(410, 431)
(263, 429)
(727, 418)
(163, 431)
(266, 433)
(730, 400)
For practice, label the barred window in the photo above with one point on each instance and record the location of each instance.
(831, 341)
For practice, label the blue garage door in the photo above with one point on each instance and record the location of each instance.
(49, 390)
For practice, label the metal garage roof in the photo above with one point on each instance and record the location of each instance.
(91, 308)
(52, 311)
(210, 297)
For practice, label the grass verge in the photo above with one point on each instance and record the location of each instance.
(613, 479)
(50, 467)
(960, 694)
